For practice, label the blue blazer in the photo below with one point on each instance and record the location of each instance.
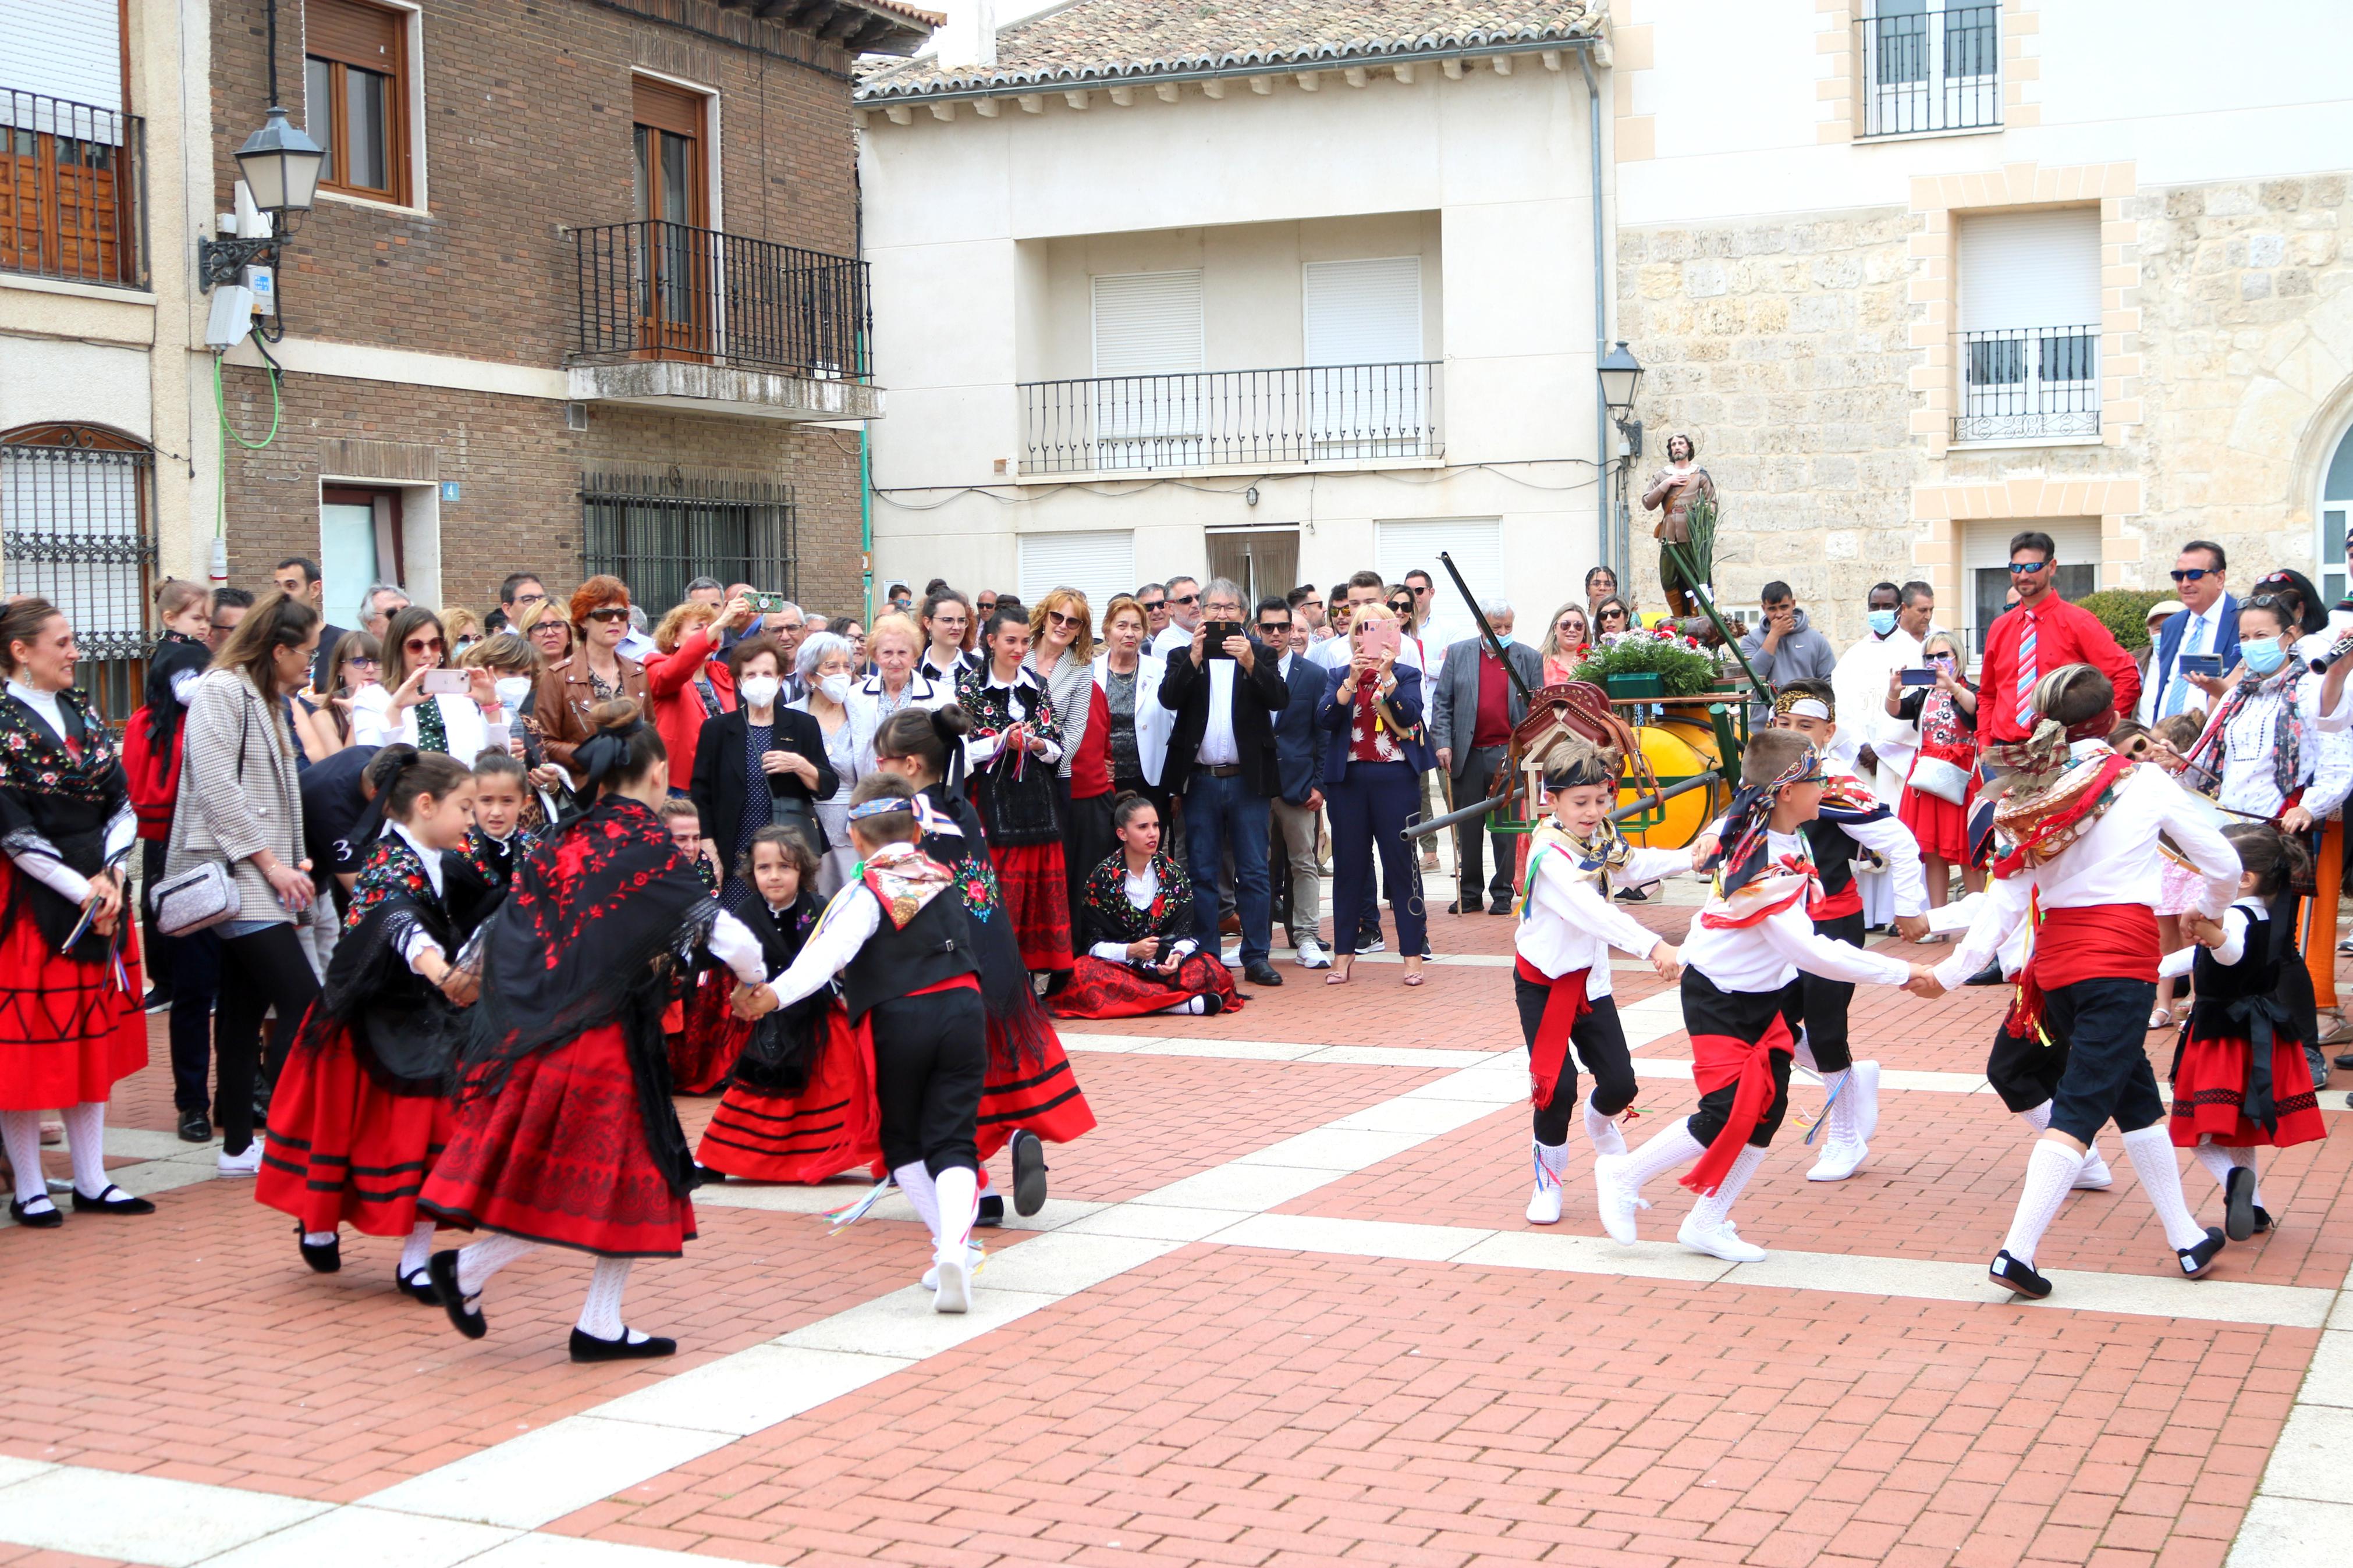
(1332, 717)
(2168, 643)
(1298, 753)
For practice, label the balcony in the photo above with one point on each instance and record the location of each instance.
(72, 192)
(2030, 384)
(1933, 67)
(1343, 414)
(670, 316)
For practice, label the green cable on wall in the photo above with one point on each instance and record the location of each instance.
(220, 404)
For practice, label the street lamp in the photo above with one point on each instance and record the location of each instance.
(1621, 373)
(279, 165)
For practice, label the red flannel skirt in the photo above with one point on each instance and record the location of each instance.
(67, 1032)
(342, 1149)
(703, 1051)
(831, 1126)
(1101, 989)
(1037, 900)
(2209, 1095)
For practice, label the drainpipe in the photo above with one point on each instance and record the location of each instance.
(1614, 552)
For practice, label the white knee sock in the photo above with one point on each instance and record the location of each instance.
(2151, 1153)
(2247, 1157)
(85, 1141)
(2051, 1170)
(600, 1314)
(959, 1191)
(1551, 1159)
(1192, 1005)
(20, 1131)
(485, 1257)
(417, 1249)
(1668, 1147)
(1840, 1086)
(915, 1181)
(2039, 1120)
(1714, 1209)
(321, 1238)
(2220, 1162)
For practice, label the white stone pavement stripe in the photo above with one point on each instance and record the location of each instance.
(2302, 1515)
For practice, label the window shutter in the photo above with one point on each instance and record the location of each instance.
(665, 107)
(1147, 323)
(2030, 269)
(357, 34)
(1364, 312)
(1476, 545)
(1101, 564)
(70, 49)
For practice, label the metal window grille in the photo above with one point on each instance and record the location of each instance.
(72, 184)
(667, 290)
(657, 532)
(1930, 69)
(1310, 413)
(2029, 383)
(76, 529)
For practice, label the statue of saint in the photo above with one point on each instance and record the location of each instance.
(1670, 493)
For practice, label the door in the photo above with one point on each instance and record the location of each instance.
(359, 546)
(673, 262)
(1265, 561)
(1146, 404)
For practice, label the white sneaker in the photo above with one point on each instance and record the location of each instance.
(1720, 1241)
(1313, 956)
(1866, 1086)
(953, 1284)
(972, 1254)
(1838, 1161)
(2096, 1176)
(1618, 1199)
(1543, 1204)
(246, 1164)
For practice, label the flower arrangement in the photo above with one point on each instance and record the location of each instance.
(1682, 667)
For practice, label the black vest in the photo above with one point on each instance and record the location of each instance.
(1833, 853)
(933, 947)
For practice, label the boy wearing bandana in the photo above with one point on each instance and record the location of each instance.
(1742, 999)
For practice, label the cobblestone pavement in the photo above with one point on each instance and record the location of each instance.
(1283, 1308)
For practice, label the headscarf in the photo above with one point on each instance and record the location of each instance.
(1739, 858)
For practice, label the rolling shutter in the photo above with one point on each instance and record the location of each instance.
(69, 49)
(1363, 312)
(1476, 545)
(1101, 564)
(1147, 323)
(2030, 269)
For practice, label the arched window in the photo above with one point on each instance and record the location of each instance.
(2336, 513)
(77, 528)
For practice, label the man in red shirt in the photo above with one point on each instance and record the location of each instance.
(2042, 633)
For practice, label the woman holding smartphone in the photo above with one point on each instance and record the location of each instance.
(420, 700)
(1374, 754)
(1944, 778)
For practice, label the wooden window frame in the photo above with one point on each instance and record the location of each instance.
(397, 90)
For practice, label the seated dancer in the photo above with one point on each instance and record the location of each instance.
(1854, 821)
(2241, 1083)
(1742, 1000)
(1561, 963)
(360, 1113)
(2077, 830)
(903, 944)
(1138, 954)
(565, 1132)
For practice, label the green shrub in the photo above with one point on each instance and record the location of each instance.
(2125, 611)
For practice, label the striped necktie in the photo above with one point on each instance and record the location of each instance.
(2026, 674)
(2177, 688)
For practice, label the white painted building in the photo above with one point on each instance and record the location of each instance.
(1160, 292)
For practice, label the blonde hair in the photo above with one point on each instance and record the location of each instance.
(674, 625)
(895, 625)
(1082, 641)
(1123, 604)
(549, 610)
(457, 621)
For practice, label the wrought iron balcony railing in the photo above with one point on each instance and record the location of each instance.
(1931, 70)
(1197, 419)
(654, 290)
(72, 191)
(2027, 383)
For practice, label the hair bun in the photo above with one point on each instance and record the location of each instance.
(615, 715)
(951, 722)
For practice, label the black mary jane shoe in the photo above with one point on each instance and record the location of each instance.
(196, 1127)
(49, 1218)
(2196, 1260)
(1211, 1004)
(2262, 1219)
(442, 1268)
(990, 1214)
(114, 1200)
(1028, 1174)
(417, 1287)
(325, 1257)
(589, 1347)
(2019, 1277)
(2238, 1204)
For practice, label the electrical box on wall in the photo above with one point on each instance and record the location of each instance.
(263, 282)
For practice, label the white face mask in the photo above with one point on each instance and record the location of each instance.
(836, 687)
(759, 691)
(514, 690)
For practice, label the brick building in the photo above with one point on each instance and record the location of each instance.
(578, 293)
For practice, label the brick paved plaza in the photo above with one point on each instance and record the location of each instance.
(1283, 1308)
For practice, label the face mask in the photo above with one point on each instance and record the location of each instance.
(1882, 621)
(836, 687)
(2263, 658)
(1503, 640)
(512, 690)
(759, 691)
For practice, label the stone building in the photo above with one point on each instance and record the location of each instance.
(1922, 273)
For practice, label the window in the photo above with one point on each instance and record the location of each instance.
(355, 85)
(76, 529)
(2336, 518)
(1985, 564)
(671, 190)
(1476, 546)
(2029, 319)
(1101, 564)
(70, 171)
(1931, 64)
(1366, 395)
(1148, 408)
(657, 532)
(1264, 560)
(360, 537)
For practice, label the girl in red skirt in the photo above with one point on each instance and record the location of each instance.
(565, 1132)
(1943, 781)
(2241, 1084)
(359, 1114)
(70, 1022)
(1016, 740)
(1139, 955)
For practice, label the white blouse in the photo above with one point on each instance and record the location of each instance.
(468, 732)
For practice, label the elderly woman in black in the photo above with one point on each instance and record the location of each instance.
(760, 763)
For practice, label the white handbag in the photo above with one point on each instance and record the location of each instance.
(1946, 781)
(199, 898)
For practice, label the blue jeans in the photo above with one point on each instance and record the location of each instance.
(1221, 814)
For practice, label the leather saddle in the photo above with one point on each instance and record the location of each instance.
(1581, 709)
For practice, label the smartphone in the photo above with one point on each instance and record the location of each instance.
(1213, 643)
(1917, 678)
(2206, 664)
(446, 683)
(766, 604)
(1380, 637)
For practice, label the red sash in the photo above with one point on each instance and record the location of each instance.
(1563, 1007)
(1721, 1059)
(2100, 942)
(1847, 900)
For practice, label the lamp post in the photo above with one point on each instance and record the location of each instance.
(279, 165)
(1621, 373)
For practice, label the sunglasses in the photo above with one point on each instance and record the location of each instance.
(1184, 599)
(2191, 574)
(1421, 593)
(1274, 628)
(1401, 606)
(362, 658)
(1152, 603)
(2026, 568)
(1056, 618)
(1613, 615)
(610, 612)
(425, 645)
